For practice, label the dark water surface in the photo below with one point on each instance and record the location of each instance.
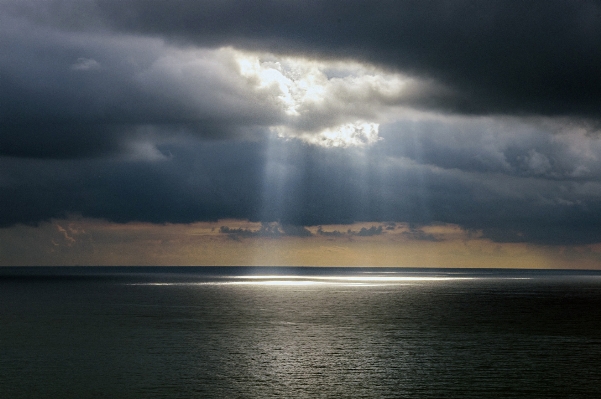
(298, 333)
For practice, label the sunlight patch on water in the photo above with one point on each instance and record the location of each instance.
(281, 280)
(316, 281)
(355, 278)
(282, 283)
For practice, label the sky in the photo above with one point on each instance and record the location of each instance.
(357, 133)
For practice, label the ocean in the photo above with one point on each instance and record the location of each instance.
(262, 332)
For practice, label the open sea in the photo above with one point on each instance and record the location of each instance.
(262, 332)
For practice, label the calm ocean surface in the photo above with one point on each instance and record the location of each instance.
(298, 333)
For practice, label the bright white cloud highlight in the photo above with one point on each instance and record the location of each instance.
(326, 103)
(354, 134)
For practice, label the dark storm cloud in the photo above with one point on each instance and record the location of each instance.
(81, 78)
(209, 181)
(199, 182)
(73, 95)
(499, 56)
(137, 110)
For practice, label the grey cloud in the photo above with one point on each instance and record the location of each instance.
(501, 57)
(236, 234)
(271, 230)
(333, 233)
(117, 65)
(85, 64)
(372, 231)
(73, 95)
(363, 232)
(79, 95)
(108, 108)
(498, 146)
(201, 180)
(495, 57)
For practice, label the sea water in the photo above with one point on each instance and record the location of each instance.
(298, 333)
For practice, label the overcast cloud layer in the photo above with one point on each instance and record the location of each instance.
(482, 114)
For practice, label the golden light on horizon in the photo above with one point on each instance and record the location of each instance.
(97, 242)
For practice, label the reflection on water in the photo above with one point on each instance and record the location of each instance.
(349, 335)
(295, 280)
(386, 279)
(367, 281)
(382, 279)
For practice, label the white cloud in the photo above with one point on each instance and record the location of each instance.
(326, 103)
(85, 64)
(353, 134)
